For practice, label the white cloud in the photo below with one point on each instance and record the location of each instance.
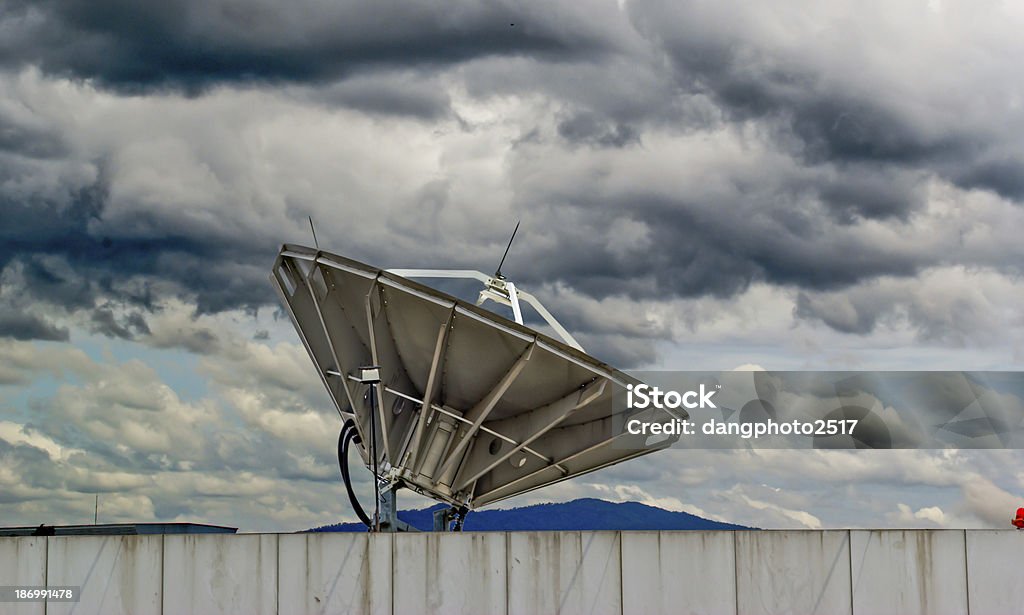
(770, 514)
(16, 433)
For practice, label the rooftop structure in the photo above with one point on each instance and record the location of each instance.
(108, 529)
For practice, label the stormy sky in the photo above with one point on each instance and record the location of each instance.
(701, 185)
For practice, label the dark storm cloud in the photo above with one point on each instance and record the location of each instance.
(403, 93)
(40, 218)
(871, 191)
(858, 319)
(21, 326)
(591, 129)
(713, 244)
(1004, 176)
(29, 141)
(834, 126)
(621, 351)
(220, 277)
(823, 117)
(105, 322)
(56, 260)
(612, 81)
(59, 287)
(934, 305)
(193, 43)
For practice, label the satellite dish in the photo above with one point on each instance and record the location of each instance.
(443, 397)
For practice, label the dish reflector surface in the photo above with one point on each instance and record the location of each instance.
(474, 408)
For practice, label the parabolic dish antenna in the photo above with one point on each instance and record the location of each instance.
(446, 398)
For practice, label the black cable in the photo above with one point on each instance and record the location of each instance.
(349, 433)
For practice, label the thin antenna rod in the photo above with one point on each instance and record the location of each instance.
(315, 242)
(96, 511)
(497, 273)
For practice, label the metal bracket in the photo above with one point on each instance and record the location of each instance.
(389, 521)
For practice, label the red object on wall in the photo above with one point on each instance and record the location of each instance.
(1018, 521)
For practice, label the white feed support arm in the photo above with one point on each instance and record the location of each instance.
(546, 315)
(513, 299)
(468, 274)
(514, 295)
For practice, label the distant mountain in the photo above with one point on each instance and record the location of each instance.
(582, 514)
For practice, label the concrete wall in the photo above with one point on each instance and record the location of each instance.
(853, 572)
